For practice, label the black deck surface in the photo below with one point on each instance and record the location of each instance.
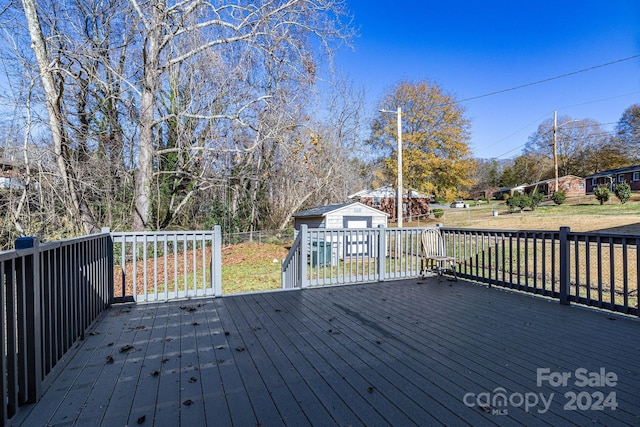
(413, 352)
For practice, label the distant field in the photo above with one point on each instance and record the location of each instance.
(579, 213)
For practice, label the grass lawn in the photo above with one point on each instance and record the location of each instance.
(250, 267)
(579, 213)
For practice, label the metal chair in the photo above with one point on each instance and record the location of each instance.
(433, 251)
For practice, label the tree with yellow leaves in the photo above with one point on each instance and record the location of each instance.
(436, 158)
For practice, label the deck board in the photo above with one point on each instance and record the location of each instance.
(395, 353)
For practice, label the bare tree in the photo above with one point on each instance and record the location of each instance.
(580, 144)
(265, 37)
(77, 206)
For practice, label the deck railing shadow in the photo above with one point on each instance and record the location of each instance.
(51, 293)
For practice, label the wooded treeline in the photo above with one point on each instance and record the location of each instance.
(157, 114)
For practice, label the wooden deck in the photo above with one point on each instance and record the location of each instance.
(413, 352)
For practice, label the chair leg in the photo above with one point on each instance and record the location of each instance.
(453, 270)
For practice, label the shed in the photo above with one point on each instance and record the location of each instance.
(344, 215)
(329, 247)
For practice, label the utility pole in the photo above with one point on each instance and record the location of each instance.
(555, 145)
(400, 191)
(400, 198)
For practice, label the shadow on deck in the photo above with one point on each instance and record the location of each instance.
(412, 352)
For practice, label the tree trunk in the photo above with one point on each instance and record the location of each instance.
(77, 207)
(144, 175)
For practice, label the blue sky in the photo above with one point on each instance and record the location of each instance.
(472, 48)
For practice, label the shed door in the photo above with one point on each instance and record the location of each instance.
(357, 242)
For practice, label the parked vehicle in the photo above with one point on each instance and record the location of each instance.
(458, 204)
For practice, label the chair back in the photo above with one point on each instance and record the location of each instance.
(432, 242)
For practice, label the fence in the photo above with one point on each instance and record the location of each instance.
(49, 294)
(594, 269)
(163, 265)
(258, 236)
(342, 256)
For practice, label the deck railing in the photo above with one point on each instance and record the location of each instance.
(49, 295)
(163, 265)
(344, 256)
(594, 269)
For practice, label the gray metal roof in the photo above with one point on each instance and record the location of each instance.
(320, 210)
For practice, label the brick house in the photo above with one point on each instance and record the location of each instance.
(572, 186)
(629, 174)
(384, 199)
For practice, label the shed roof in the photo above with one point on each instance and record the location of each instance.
(322, 211)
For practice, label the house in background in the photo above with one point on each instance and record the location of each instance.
(500, 193)
(13, 175)
(629, 174)
(572, 186)
(414, 205)
(329, 247)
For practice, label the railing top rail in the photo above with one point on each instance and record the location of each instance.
(594, 235)
(13, 254)
(73, 240)
(497, 231)
(161, 233)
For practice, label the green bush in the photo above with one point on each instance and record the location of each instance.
(602, 193)
(438, 213)
(518, 201)
(535, 199)
(622, 191)
(559, 197)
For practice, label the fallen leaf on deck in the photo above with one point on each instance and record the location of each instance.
(109, 359)
(141, 419)
(187, 402)
(126, 348)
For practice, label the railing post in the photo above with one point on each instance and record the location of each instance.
(32, 321)
(304, 282)
(216, 269)
(382, 253)
(110, 266)
(564, 265)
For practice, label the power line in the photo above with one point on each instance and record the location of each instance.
(550, 78)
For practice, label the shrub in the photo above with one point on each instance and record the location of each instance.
(559, 197)
(438, 213)
(622, 191)
(518, 201)
(535, 199)
(602, 193)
